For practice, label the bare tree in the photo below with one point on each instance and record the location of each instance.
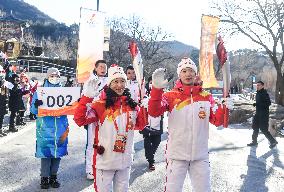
(118, 51)
(149, 40)
(262, 22)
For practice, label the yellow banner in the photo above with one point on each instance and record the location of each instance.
(91, 42)
(209, 28)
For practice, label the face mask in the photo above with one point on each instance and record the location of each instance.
(53, 80)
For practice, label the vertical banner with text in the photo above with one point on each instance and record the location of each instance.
(209, 28)
(91, 42)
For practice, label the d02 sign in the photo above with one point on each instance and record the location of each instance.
(58, 101)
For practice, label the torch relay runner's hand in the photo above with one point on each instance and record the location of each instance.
(91, 87)
(158, 79)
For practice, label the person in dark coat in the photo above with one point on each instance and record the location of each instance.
(152, 133)
(261, 117)
(3, 99)
(69, 82)
(16, 103)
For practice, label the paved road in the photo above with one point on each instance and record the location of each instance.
(235, 167)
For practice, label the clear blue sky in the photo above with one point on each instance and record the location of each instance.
(179, 17)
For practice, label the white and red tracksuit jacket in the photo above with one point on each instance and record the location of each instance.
(106, 131)
(190, 112)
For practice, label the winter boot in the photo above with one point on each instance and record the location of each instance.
(2, 132)
(273, 144)
(252, 144)
(12, 128)
(18, 120)
(151, 167)
(22, 123)
(44, 184)
(53, 181)
(32, 116)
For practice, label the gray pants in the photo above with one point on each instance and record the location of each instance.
(49, 166)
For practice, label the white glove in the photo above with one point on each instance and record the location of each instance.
(144, 102)
(91, 87)
(158, 78)
(228, 102)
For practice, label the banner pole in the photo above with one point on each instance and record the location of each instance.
(98, 5)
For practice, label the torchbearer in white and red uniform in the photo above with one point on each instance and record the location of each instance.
(190, 112)
(116, 116)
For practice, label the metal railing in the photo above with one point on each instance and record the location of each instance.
(42, 66)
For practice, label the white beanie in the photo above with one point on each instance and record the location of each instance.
(115, 72)
(186, 63)
(53, 71)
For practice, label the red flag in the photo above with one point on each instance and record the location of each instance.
(138, 66)
(221, 51)
(133, 49)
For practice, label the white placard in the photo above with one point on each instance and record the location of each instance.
(57, 100)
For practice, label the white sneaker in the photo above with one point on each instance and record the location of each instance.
(90, 176)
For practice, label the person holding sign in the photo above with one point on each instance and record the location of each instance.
(51, 136)
(190, 112)
(116, 115)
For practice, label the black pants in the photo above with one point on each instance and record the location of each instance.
(12, 118)
(151, 143)
(264, 130)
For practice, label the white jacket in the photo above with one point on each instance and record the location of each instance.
(107, 132)
(188, 123)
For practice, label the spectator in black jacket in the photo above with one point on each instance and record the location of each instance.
(261, 117)
(152, 133)
(69, 82)
(16, 104)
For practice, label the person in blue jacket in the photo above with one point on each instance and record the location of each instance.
(51, 136)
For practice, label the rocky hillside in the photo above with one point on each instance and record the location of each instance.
(24, 11)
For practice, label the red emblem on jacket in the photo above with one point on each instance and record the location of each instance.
(202, 113)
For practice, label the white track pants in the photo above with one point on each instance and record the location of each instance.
(112, 180)
(199, 173)
(89, 148)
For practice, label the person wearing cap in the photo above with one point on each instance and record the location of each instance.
(116, 115)
(188, 126)
(99, 71)
(51, 136)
